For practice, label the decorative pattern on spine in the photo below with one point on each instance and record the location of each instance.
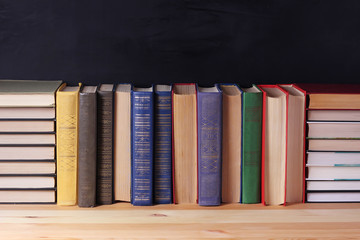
(142, 147)
(162, 148)
(209, 146)
(67, 145)
(104, 184)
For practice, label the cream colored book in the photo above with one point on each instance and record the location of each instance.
(231, 144)
(122, 142)
(185, 143)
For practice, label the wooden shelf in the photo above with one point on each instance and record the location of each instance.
(123, 221)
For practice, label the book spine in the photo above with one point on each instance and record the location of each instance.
(251, 147)
(209, 148)
(87, 150)
(142, 148)
(67, 147)
(162, 149)
(104, 183)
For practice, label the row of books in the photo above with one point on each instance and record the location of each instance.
(179, 143)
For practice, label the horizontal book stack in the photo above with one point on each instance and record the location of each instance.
(333, 156)
(27, 141)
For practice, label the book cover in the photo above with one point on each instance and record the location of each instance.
(122, 143)
(142, 127)
(87, 147)
(251, 144)
(209, 105)
(162, 145)
(67, 116)
(104, 182)
(184, 143)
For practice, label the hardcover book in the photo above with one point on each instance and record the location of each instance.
(104, 182)
(251, 144)
(184, 139)
(122, 143)
(332, 96)
(295, 165)
(28, 93)
(231, 143)
(162, 145)
(142, 102)
(87, 147)
(67, 116)
(275, 108)
(209, 105)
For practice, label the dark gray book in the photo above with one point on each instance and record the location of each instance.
(87, 147)
(104, 183)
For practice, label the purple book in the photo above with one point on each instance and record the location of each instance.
(209, 102)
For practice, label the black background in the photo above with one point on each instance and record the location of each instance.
(164, 41)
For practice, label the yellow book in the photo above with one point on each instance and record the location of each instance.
(67, 115)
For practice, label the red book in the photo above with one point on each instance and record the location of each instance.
(184, 143)
(274, 144)
(332, 96)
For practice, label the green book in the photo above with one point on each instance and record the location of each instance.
(251, 145)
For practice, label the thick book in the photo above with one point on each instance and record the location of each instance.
(333, 197)
(162, 145)
(27, 196)
(274, 144)
(17, 125)
(333, 172)
(28, 93)
(231, 143)
(104, 177)
(332, 96)
(67, 124)
(27, 112)
(331, 185)
(295, 165)
(27, 153)
(87, 146)
(337, 145)
(27, 167)
(333, 115)
(333, 158)
(252, 109)
(209, 105)
(142, 127)
(122, 143)
(184, 140)
(336, 130)
(27, 138)
(27, 182)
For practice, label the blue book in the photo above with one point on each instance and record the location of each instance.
(142, 128)
(162, 145)
(209, 102)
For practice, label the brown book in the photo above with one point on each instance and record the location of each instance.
(231, 144)
(87, 147)
(104, 183)
(122, 143)
(185, 143)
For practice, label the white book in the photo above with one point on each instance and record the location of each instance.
(332, 185)
(333, 197)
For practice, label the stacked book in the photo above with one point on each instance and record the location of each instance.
(333, 156)
(27, 141)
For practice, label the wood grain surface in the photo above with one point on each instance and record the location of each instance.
(230, 221)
